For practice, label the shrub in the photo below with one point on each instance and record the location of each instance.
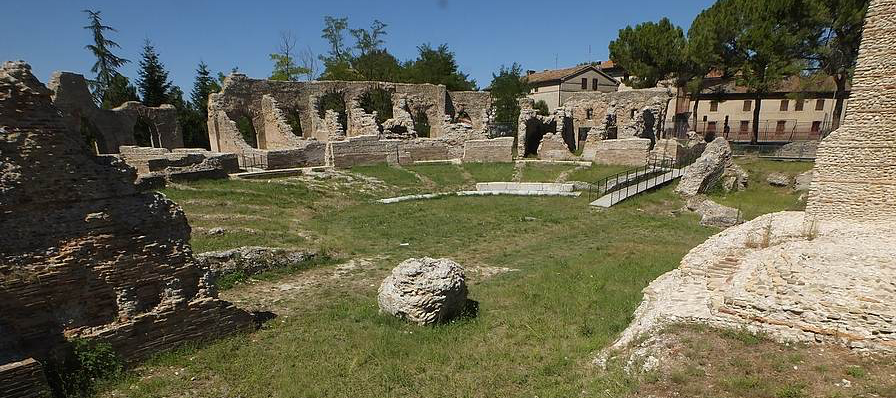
(87, 364)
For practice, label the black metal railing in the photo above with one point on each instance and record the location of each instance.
(780, 131)
(656, 172)
(253, 161)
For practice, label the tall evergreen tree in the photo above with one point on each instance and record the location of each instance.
(203, 86)
(152, 77)
(107, 63)
(507, 87)
(119, 91)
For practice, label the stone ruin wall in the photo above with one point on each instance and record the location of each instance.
(855, 167)
(269, 103)
(627, 103)
(86, 254)
(114, 127)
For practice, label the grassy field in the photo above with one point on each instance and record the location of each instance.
(576, 277)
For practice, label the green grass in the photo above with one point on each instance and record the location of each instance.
(389, 175)
(596, 172)
(534, 172)
(490, 172)
(760, 197)
(579, 280)
(442, 175)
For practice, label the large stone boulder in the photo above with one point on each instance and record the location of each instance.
(804, 180)
(714, 214)
(734, 178)
(779, 180)
(424, 291)
(707, 171)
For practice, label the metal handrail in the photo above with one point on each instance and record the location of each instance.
(660, 169)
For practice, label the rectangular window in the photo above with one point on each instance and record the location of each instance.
(711, 126)
(780, 127)
(748, 106)
(785, 105)
(584, 83)
(714, 106)
(816, 127)
(589, 113)
(799, 105)
(819, 105)
(744, 126)
(594, 84)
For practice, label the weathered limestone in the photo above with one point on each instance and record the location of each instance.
(734, 178)
(623, 151)
(83, 253)
(276, 108)
(778, 276)
(633, 113)
(707, 171)
(856, 165)
(180, 164)
(549, 137)
(779, 180)
(714, 214)
(804, 181)
(250, 260)
(113, 128)
(493, 150)
(424, 291)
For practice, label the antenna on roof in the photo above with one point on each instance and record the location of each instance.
(556, 61)
(589, 54)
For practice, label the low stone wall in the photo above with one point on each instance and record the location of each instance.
(421, 150)
(363, 150)
(494, 150)
(625, 151)
(179, 163)
(524, 187)
(554, 148)
(23, 379)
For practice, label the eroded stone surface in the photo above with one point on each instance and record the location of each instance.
(250, 260)
(83, 253)
(779, 180)
(776, 275)
(424, 291)
(707, 171)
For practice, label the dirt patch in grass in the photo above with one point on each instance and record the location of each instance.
(697, 362)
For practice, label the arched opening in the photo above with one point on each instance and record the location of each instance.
(333, 101)
(145, 134)
(421, 123)
(247, 131)
(535, 131)
(92, 137)
(569, 134)
(463, 117)
(294, 120)
(379, 101)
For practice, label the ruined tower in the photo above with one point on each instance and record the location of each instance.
(855, 172)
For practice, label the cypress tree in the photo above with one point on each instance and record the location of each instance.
(107, 63)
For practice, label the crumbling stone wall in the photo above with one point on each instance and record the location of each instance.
(179, 164)
(114, 127)
(84, 253)
(454, 117)
(855, 167)
(550, 137)
(493, 150)
(637, 113)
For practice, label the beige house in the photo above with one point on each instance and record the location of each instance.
(799, 109)
(556, 86)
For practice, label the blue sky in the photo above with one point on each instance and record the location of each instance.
(484, 34)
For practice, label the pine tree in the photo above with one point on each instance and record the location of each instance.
(203, 86)
(119, 91)
(152, 77)
(652, 51)
(107, 64)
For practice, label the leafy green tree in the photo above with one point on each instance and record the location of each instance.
(377, 65)
(203, 86)
(841, 23)
(707, 51)
(334, 34)
(541, 108)
(651, 51)
(438, 66)
(768, 41)
(507, 87)
(119, 91)
(285, 67)
(152, 77)
(107, 63)
(367, 41)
